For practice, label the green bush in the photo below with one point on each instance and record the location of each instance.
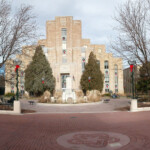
(106, 94)
(9, 94)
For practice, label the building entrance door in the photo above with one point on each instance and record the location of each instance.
(63, 80)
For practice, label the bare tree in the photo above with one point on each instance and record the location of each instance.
(133, 41)
(16, 29)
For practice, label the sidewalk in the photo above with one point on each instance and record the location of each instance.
(97, 107)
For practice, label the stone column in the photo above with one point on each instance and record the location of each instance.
(17, 107)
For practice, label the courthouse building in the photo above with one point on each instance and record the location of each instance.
(67, 53)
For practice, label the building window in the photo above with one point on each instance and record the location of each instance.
(22, 88)
(64, 51)
(116, 78)
(64, 34)
(106, 79)
(83, 49)
(63, 80)
(64, 39)
(106, 90)
(98, 62)
(64, 46)
(44, 49)
(106, 66)
(83, 64)
(12, 88)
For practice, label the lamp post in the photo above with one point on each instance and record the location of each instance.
(89, 79)
(17, 62)
(132, 63)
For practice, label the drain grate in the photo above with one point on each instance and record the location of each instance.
(73, 117)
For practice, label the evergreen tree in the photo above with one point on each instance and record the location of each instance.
(37, 70)
(143, 84)
(92, 70)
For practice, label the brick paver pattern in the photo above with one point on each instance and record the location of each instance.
(41, 131)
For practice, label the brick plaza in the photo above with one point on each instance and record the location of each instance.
(41, 131)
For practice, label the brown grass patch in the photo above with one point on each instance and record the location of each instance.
(143, 105)
(126, 108)
(6, 107)
(27, 111)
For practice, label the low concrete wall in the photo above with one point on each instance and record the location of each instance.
(16, 110)
(134, 106)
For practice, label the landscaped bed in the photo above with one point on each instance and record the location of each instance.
(127, 108)
(24, 111)
(5, 107)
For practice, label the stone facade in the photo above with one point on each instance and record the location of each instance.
(67, 54)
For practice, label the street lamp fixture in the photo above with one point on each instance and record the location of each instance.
(132, 64)
(17, 62)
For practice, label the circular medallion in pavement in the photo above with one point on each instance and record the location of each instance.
(93, 140)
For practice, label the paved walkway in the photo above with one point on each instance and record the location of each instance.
(105, 131)
(76, 108)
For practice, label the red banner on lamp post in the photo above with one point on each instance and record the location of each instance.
(131, 67)
(17, 66)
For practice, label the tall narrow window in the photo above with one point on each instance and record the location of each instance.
(64, 34)
(12, 88)
(83, 64)
(83, 57)
(116, 78)
(64, 39)
(98, 62)
(63, 80)
(106, 67)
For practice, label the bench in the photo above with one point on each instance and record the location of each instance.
(31, 102)
(7, 102)
(106, 100)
